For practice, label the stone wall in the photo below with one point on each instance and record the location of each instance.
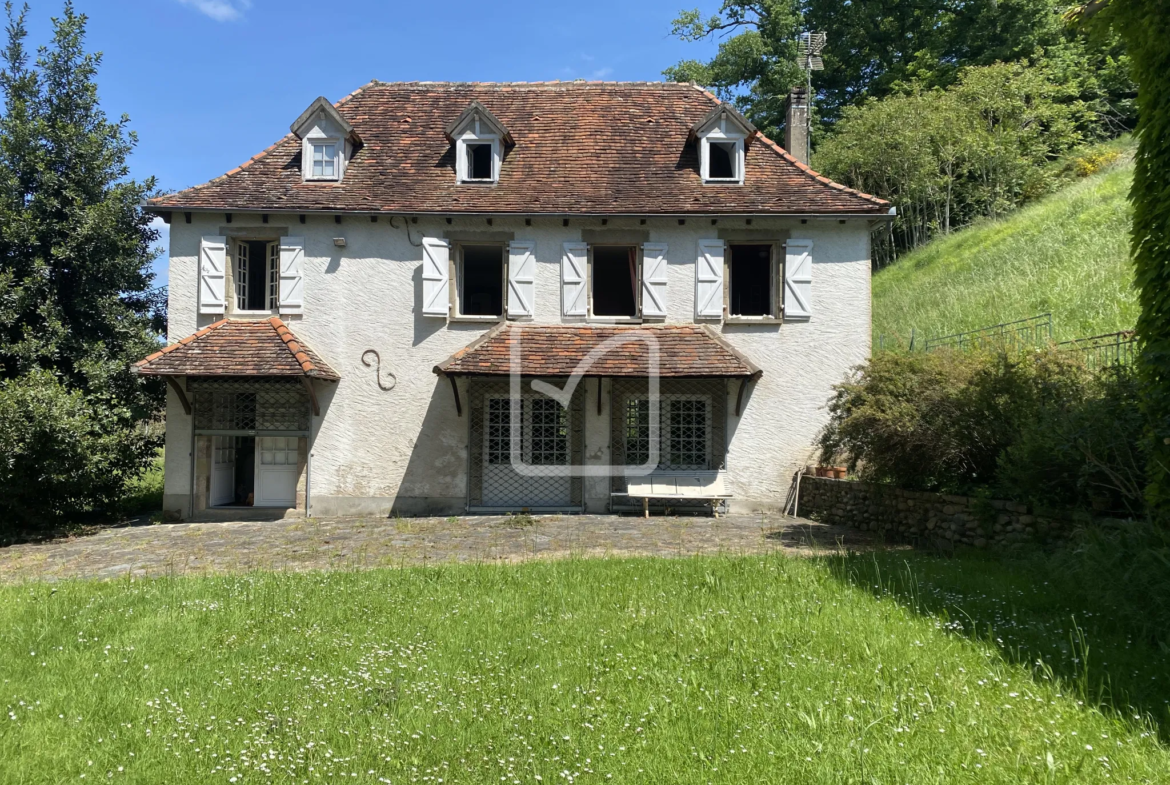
(916, 516)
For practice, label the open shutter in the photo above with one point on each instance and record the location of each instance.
(573, 279)
(654, 279)
(291, 295)
(212, 263)
(798, 279)
(436, 276)
(709, 280)
(521, 279)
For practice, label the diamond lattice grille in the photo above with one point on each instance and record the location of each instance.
(249, 404)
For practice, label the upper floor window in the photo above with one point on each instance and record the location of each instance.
(722, 137)
(325, 161)
(328, 142)
(753, 281)
(480, 272)
(256, 275)
(479, 138)
(613, 280)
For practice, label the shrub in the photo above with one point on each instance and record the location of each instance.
(61, 455)
(1037, 427)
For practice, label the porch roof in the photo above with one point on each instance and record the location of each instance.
(234, 347)
(688, 350)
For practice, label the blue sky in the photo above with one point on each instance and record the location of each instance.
(209, 83)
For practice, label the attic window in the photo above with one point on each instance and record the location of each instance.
(479, 161)
(324, 161)
(722, 161)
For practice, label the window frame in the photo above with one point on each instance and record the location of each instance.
(775, 287)
(455, 276)
(476, 134)
(590, 316)
(724, 132)
(665, 428)
(311, 144)
(270, 281)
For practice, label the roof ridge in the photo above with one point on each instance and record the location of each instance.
(293, 345)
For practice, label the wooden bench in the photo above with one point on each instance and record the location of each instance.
(702, 485)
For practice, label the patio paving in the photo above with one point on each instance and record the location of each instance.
(353, 543)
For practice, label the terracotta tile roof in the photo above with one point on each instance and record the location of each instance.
(580, 147)
(233, 347)
(684, 351)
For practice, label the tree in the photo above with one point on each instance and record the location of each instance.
(1145, 26)
(77, 302)
(878, 47)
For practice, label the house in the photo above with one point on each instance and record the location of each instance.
(348, 307)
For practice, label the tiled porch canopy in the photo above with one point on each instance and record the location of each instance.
(685, 351)
(233, 347)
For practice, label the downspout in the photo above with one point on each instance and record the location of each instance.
(309, 465)
(191, 500)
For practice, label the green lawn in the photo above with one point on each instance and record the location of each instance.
(734, 670)
(1067, 254)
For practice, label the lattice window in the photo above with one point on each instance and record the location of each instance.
(234, 404)
(499, 431)
(690, 430)
(273, 276)
(549, 434)
(547, 423)
(241, 279)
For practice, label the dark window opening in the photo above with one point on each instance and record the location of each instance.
(482, 281)
(751, 280)
(479, 161)
(256, 285)
(721, 161)
(615, 280)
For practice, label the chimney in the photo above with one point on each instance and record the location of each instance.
(796, 124)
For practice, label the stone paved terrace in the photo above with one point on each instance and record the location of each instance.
(352, 543)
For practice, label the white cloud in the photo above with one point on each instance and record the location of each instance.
(601, 73)
(220, 10)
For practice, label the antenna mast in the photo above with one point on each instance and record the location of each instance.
(808, 58)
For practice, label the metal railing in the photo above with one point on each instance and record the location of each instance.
(1104, 351)
(1030, 333)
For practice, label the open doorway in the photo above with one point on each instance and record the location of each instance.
(254, 471)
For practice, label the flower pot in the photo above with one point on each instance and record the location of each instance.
(823, 471)
(839, 472)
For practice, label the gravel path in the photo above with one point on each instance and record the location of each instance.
(352, 543)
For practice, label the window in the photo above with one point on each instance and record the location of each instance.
(548, 433)
(684, 432)
(257, 275)
(753, 282)
(480, 277)
(324, 161)
(499, 431)
(614, 278)
(479, 161)
(722, 158)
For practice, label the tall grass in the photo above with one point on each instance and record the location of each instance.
(1067, 254)
(757, 669)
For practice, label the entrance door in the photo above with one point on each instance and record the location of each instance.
(223, 470)
(544, 443)
(276, 471)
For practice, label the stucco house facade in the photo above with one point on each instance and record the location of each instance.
(353, 310)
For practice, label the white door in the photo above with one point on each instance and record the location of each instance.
(276, 471)
(223, 470)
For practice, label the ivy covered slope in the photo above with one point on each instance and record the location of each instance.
(1067, 254)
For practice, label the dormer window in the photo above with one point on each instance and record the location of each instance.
(328, 142)
(479, 138)
(479, 160)
(324, 161)
(722, 136)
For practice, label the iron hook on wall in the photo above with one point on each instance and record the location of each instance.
(377, 366)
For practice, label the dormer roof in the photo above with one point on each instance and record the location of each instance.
(321, 106)
(473, 111)
(721, 112)
(580, 148)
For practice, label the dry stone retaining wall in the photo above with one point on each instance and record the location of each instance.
(914, 515)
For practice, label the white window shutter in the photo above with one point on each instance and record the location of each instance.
(291, 298)
(521, 279)
(436, 276)
(654, 279)
(212, 263)
(709, 280)
(574, 280)
(798, 279)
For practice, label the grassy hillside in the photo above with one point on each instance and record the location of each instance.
(1066, 254)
